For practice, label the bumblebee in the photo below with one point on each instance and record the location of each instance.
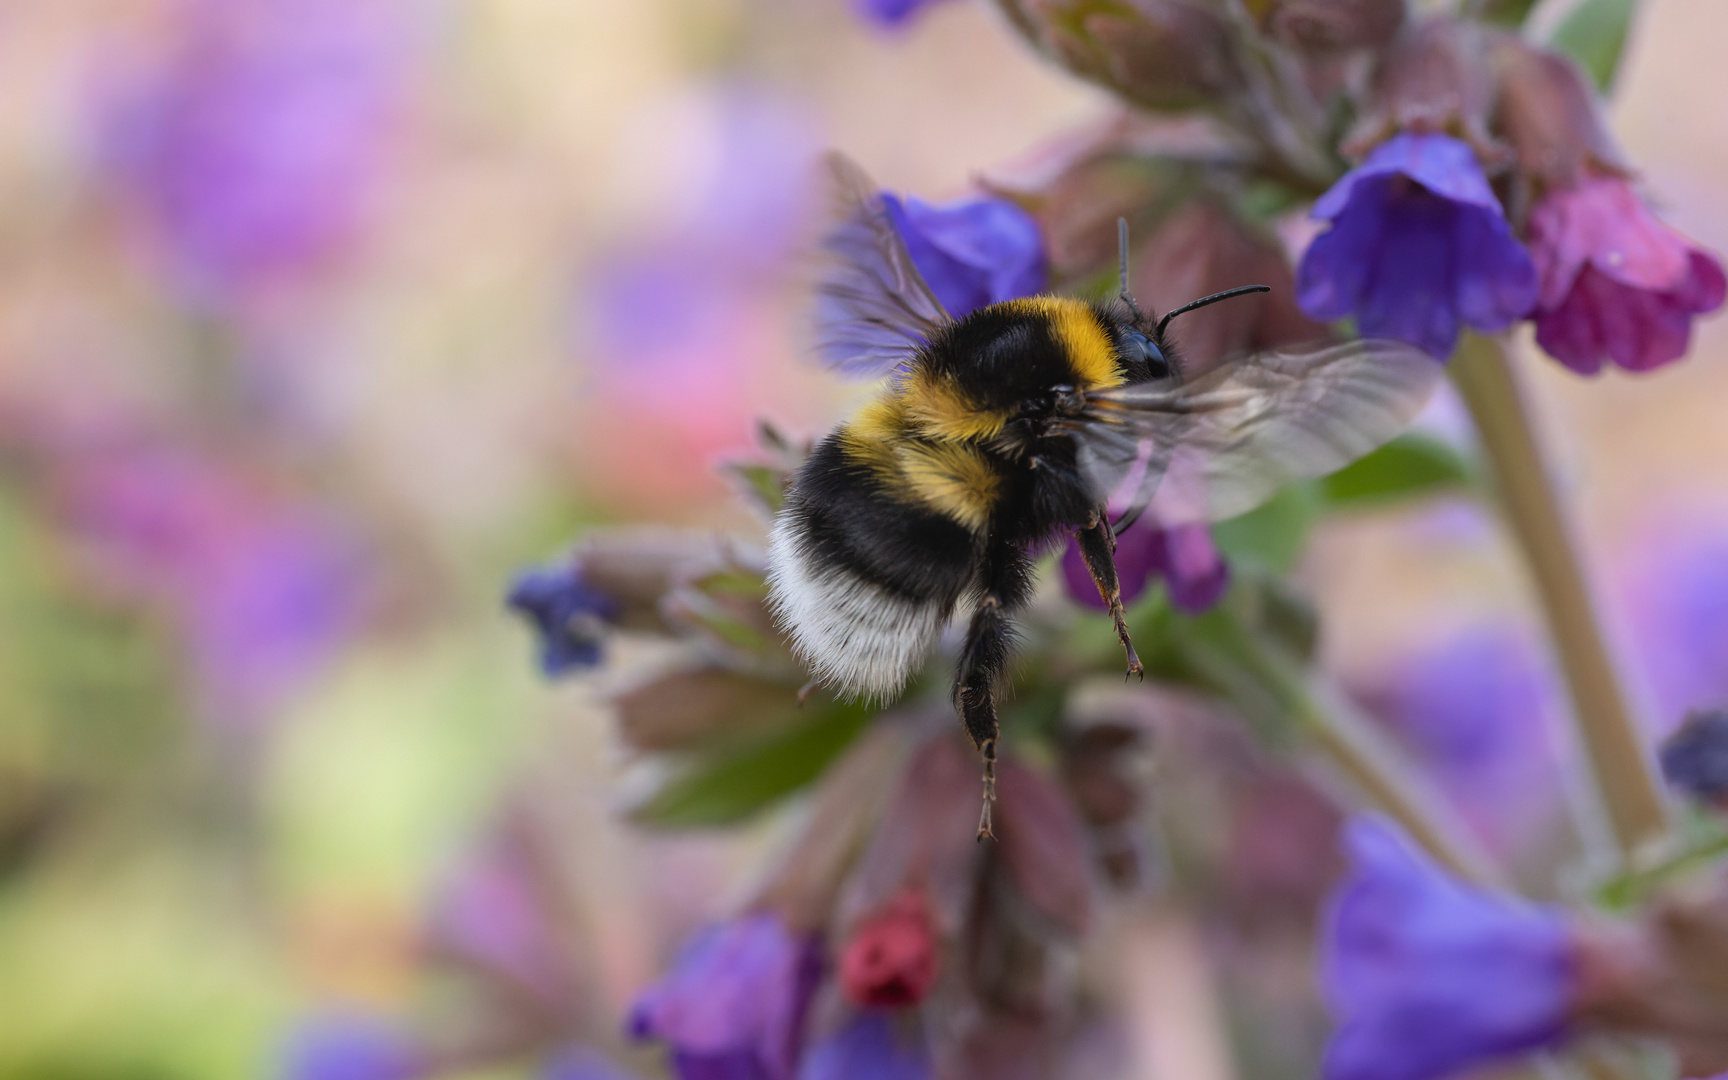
(998, 432)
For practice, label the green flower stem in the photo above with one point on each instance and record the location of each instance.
(1625, 891)
(1610, 736)
(1269, 685)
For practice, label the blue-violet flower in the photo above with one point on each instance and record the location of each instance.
(890, 13)
(349, 1046)
(1695, 756)
(1428, 975)
(872, 1046)
(569, 616)
(1418, 244)
(972, 252)
(733, 1005)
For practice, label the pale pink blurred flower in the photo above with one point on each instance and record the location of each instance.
(255, 147)
(264, 587)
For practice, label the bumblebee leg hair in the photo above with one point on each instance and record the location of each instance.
(1097, 548)
(1006, 584)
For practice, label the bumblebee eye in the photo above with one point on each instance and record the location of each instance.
(1138, 347)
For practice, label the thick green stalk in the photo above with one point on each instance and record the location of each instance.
(1607, 730)
(1360, 750)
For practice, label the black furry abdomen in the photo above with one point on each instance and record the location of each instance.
(852, 522)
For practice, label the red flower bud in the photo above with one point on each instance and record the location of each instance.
(891, 958)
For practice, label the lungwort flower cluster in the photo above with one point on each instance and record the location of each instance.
(1460, 178)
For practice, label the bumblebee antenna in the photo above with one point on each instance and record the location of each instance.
(1122, 269)
(1213, 299)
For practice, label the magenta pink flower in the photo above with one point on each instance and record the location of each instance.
(1615, 282)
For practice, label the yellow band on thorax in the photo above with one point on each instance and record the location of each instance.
(1083, 338)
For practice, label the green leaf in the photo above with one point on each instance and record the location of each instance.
(727, 786)
(763, 486)
(1507, 12)
(1271, 537)
(1407, 467)
(1594, 34)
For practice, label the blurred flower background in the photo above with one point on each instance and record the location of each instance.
(320, 319)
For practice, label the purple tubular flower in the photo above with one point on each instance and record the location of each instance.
(1418, 244)
(733, 1005)
(1429, 975)
(890, 13)
(349, 1046)
(1184, 556)
(569, 616)
(1617, 284)
(972, 252)
(870, 1046)
(257, 146)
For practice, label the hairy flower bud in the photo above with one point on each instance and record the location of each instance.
(1102, 771)
(1158, 54)
(688, 706)
(1077, 210)
(1550, 116)
(1435, 79)
(1205, 248)
(1043, 845)
(1662, 978)
(892, 956)
(1325, 26)
(636, 568)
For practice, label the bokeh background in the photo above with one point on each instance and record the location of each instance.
(318, 319)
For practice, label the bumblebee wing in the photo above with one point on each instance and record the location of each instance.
(1222, 443)
(873, 309)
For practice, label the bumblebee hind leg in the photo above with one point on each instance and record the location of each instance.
(1098, 549)
(1005, 584)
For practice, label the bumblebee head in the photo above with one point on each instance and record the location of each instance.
(1138, 351)
(1138, 346)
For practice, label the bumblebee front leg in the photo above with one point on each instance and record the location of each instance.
(1098, 549)
(1006, 584)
